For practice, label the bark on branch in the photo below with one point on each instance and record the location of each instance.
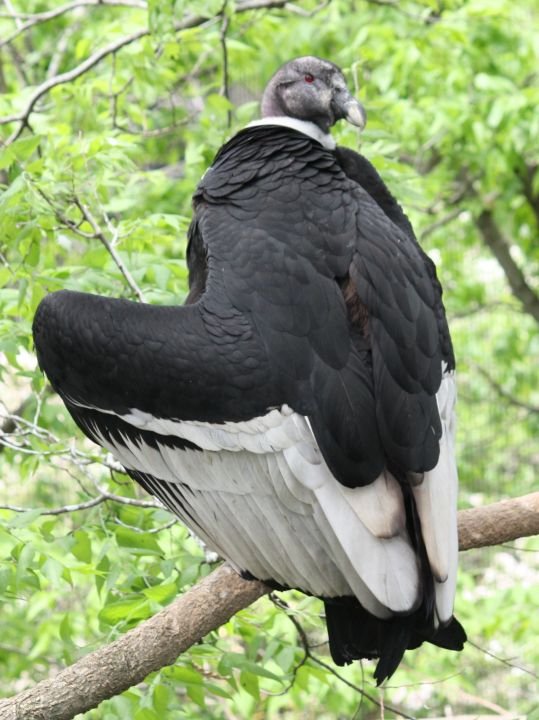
(500, 522)
(157, 642)
(499, 246)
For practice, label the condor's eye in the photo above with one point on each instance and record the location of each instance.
(308, 78)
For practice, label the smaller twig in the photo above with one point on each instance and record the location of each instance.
(152, 531)
(39, 18)
(19, 65)
(155, 132)
(60, 48)
(515, 548)
(282, 605)
(310, 656)
(8, 424)
(115, 95)
(104, 496)
(225, 22)
(291, 7)
(25, 450)
(502, 392)
(439, 681)
(12, 14)
(45, 87)
(260, 5)
(129, 501)
(99, 235)
(429, 19)
(441, 222)
(504, 661)
(63, 219)
(190, 21)
(494, 707)
(59, 510)
(482, 307)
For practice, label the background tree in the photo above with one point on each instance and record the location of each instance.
(110, 112)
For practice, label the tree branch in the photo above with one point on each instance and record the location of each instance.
(503, 393)
(100, 235)
(499, 246)
(157, 642)
(500, 522)
(39, 18)
(527, 178)
(191, 21)
(153, 644)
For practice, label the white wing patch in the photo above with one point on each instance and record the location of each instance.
(385, 563)
(261, 495)
(436, 500)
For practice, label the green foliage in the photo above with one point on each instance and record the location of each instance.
(108, 160)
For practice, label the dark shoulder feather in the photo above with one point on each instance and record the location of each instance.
(359, 169)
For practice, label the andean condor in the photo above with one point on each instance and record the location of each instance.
(297, 413)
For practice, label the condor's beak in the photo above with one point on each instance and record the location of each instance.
(346, 107)
(355, 113)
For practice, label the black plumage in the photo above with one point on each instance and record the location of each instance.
(306, 387)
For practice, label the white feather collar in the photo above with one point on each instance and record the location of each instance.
(304, 126)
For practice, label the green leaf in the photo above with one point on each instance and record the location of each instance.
(249, 682)
(147, 714)
(239, 661)
(137, 541)
(162, 698)
(82, 548)
(186, 675)
(65, 630)
(196, 693)
(128, 609)
(24, 147)
(161, 593)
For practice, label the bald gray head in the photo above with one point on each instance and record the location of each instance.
(309, 88)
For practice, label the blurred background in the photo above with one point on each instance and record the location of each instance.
(110, 111)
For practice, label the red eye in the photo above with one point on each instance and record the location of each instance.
(309, 78)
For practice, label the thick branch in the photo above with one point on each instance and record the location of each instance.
(127, 661)
(499, 246)
(157, 642)
(531, 195)
(500, 522)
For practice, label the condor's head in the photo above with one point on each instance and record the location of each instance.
(312, 89)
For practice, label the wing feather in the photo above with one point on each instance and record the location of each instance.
(436, 501)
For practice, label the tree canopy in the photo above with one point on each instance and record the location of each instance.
(110, 111)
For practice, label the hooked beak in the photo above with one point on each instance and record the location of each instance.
(346, 107)
(355, 113)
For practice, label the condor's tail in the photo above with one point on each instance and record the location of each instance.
(355, 634)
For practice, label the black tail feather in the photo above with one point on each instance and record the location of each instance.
(355, 634)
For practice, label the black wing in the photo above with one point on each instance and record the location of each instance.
(339, 292)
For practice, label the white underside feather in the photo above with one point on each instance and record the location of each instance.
(261, 495)
(436, 501)
(272, 507)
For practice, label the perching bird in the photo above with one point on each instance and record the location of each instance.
(297, 413)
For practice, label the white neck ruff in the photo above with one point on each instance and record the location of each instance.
(303, 126)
